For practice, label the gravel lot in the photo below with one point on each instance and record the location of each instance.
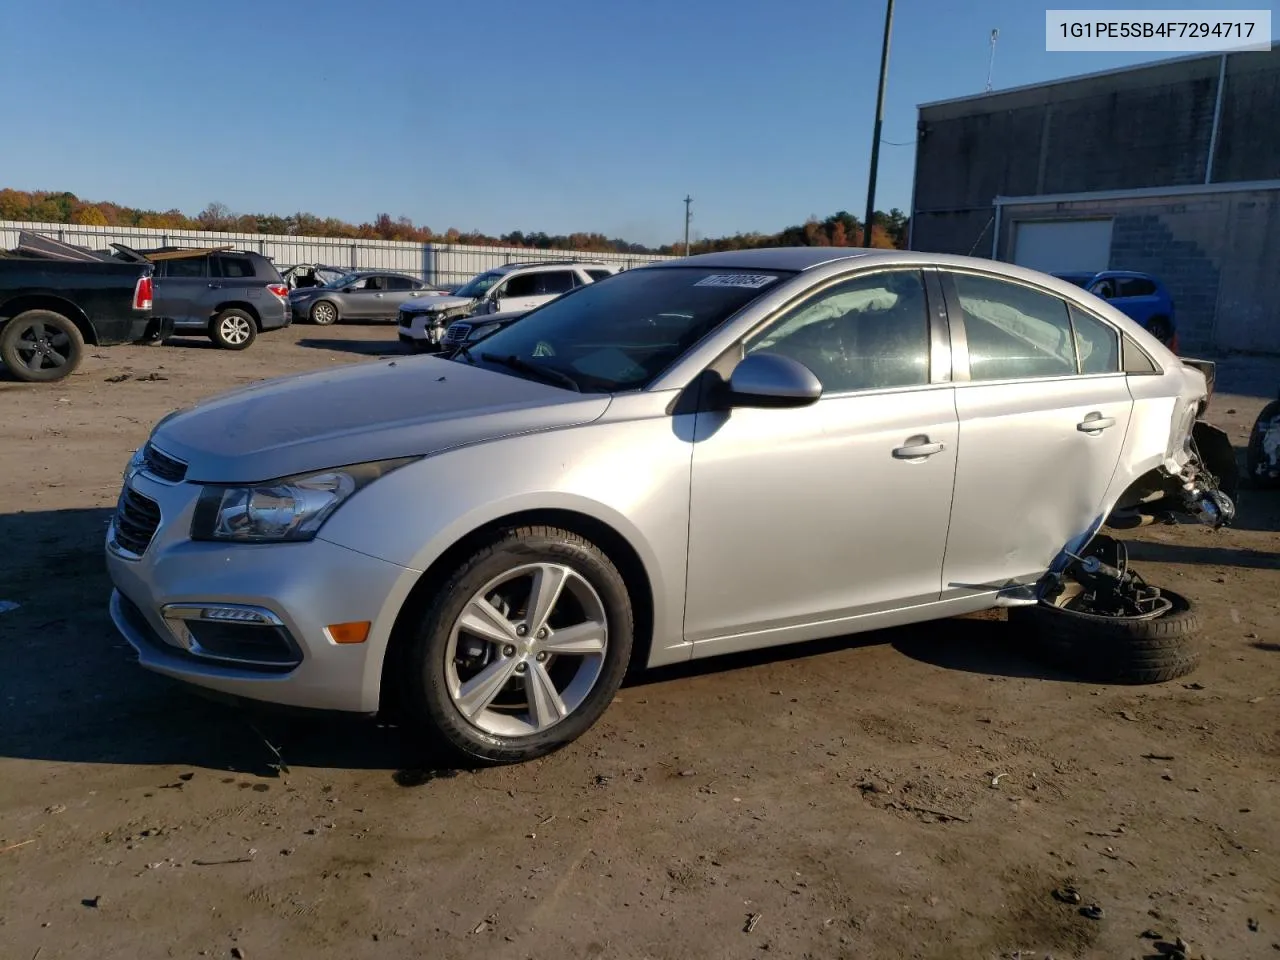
(914, 793)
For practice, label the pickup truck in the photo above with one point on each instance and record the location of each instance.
(53, 303)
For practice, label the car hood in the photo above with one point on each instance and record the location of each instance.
(436, 304)
(411, 406)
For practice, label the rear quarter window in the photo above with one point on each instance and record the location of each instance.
(234, 268)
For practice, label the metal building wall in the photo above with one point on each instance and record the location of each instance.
(439, 263)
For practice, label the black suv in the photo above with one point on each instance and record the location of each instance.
(227, 295)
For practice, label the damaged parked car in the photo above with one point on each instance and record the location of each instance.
(701, 456)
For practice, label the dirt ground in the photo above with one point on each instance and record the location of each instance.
(915, 793)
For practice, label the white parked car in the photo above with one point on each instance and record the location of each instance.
(513, 287)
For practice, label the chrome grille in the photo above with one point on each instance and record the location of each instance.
(457, 333)
(136, 521)
(162, 466)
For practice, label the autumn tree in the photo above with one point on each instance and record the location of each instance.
(89, 216)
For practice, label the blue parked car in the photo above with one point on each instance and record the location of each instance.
(1138, 295)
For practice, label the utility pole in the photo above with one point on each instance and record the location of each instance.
(991, 64)
(875, 140)
(688, 215)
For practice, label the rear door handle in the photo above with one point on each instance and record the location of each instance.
(917, 448)
(1095, 423)
(215, 286)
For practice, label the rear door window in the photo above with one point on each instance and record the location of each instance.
(233, 268)
(399, 283)
(1014, 332)
(555, 282)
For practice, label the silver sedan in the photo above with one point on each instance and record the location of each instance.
(697, 457)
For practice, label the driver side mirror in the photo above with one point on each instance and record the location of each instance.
(772, 380)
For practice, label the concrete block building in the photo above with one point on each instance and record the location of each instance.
(1171, 168)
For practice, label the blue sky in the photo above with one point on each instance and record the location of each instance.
(558, 115)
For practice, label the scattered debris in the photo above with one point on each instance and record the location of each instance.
(1253, 925)
(1067, 894)
(279, 766)
(995, 781)
(916, 808)
(1092, 912)
(1151, 935)
(1194, 686)
(1126, 715)
(546, 821)
(752, 920)
(15, 846)
(118, 378)
(91, 901)
(687, 773)
(480, 927)
(237, 953)
(185, 776)
(152, 376)
(1256, 699)
(1157, 756)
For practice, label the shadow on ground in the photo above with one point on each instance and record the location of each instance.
(367, 348)
(72, 690)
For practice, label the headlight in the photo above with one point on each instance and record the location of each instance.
(289, 509)
(135, 461)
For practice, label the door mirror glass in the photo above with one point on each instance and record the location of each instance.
(772, 380)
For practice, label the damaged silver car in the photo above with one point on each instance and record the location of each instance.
(700, 456)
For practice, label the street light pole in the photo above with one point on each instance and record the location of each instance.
(687, 217)
(875, 141)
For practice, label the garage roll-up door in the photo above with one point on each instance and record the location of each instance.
(1056, 246)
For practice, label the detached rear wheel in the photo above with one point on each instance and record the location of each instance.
(40, 346)
(1262, 459)
(1113, 649)
(521, 651)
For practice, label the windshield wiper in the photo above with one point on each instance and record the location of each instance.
(465, 352)
(545, 374)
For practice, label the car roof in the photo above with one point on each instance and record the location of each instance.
(547, 265)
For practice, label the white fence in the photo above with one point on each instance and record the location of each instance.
(445, 264)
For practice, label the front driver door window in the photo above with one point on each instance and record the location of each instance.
(822, 513)
(1043, 420)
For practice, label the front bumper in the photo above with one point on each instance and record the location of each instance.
(422, 330)
(303, 587)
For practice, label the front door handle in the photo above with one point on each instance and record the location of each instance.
(917, 448)
(215, 286)
(1095, 423)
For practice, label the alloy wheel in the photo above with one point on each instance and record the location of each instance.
(235, 330)
(526, 650)
(43, 347)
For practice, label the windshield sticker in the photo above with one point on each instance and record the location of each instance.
(747, 281)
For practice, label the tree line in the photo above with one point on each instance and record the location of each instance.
(842, 229)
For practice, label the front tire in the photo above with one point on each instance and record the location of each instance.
(522, 649)
(233, 330)
(324, 314)
(40, 346)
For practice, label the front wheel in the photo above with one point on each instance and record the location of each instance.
(324, 314)
(521, 651)
(233, 330)
(40, 346)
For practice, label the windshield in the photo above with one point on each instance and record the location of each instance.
(477, 286)
(620, 335)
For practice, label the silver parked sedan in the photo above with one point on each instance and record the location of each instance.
(700, 456)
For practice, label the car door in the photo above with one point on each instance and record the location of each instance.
(401, 290)
(231, 278)
(804, 518)
(366, 299)
(1136, 298)
(519, 292)
(180, 289)
(1044, 411)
